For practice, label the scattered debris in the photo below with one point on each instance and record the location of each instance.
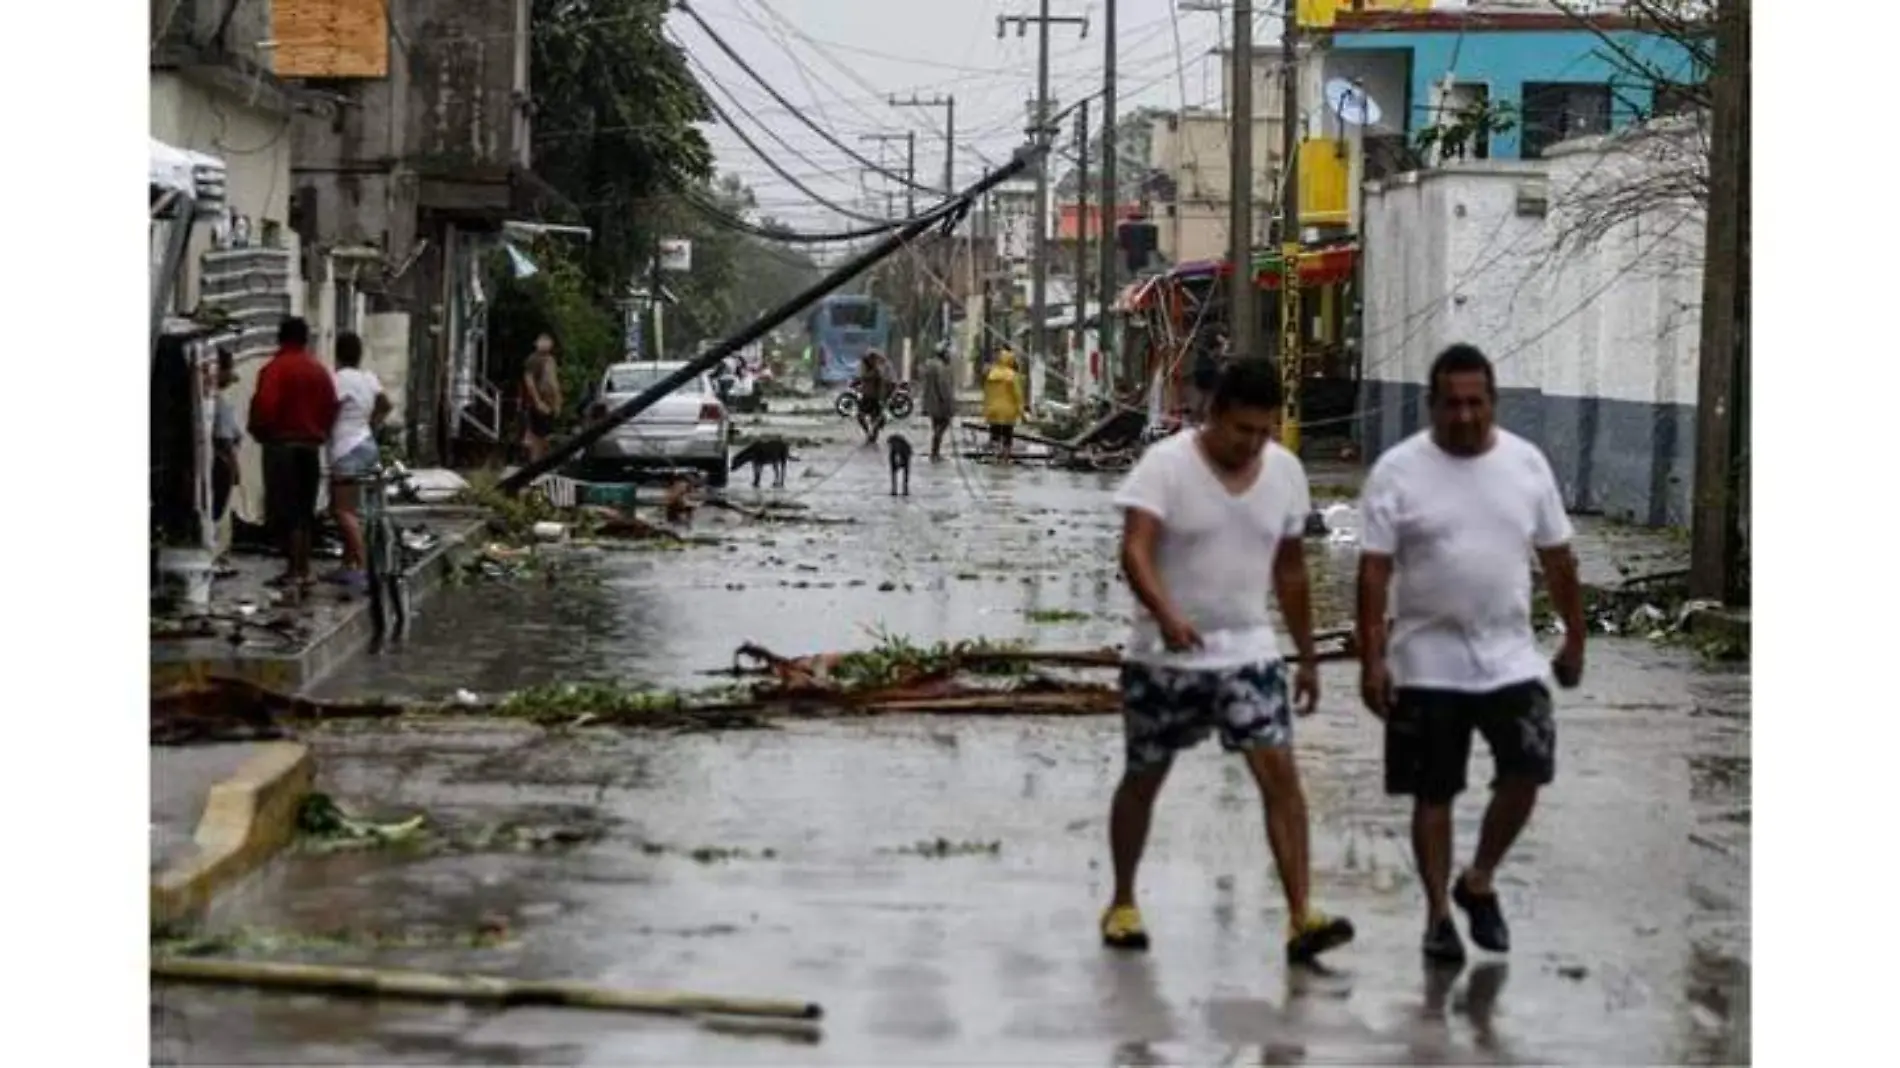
(1573, 971)
(1055, 615)
(377, 983)
(325, 827)
(943, 847)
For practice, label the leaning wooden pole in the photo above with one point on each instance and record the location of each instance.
(948, 214)
(431, 986)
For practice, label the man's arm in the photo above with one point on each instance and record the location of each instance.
(1141, 533)
(1291, 589)
(262, 419)
(379, 412)
(1375, 579)
(1559, 564)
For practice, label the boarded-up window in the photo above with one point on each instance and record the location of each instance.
(330, 38)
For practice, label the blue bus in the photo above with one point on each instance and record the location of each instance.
(843, 328)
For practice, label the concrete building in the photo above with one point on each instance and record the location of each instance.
(1591, 318)
(213, 91)
(405, 170)
(1192, 149)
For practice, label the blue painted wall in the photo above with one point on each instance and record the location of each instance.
(1506, 59)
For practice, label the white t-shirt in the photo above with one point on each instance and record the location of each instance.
(1462, 533)
(1215, 555)
(356, 393)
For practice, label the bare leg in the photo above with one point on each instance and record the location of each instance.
(1431, 847)
(1284, 802)
(1504, 820)
(1129, 816)
(344, 505)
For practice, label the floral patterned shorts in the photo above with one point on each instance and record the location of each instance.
(1165, 710)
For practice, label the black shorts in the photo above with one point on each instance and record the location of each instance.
(1002, 434)
(293, 474)
(539, 425)
(1428, 738)
(870, 408)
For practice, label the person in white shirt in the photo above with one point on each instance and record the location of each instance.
(1212, 524)
(1451, 519)
(354, 456)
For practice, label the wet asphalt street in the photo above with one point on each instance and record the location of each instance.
(784, 863)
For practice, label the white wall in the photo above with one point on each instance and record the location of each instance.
(1591, 321)
(255, 147)
(1448, 259)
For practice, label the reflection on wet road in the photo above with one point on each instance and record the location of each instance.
(1629, 895)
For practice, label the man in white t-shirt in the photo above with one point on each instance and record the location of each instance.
(1212, 526)
(1451, 519)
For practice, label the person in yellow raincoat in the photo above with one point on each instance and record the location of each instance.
(1003, 403)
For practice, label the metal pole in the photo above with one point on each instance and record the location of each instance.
(1111, 199)
(1243, 322)
(764, 325)
(1714, 542)
(910, 173)
(1292, 316)
(1077, 371)
(1039, 265)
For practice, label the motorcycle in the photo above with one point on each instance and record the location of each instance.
(898, 406)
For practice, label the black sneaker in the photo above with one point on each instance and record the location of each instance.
(1442, 943)
(1316, 935)
(1486, 918)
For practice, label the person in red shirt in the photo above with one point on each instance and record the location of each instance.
(292, 410)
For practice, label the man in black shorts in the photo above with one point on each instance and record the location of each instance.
(874, 384)
(1451, 519)
(292, 410)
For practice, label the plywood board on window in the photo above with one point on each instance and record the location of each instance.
(330, 38)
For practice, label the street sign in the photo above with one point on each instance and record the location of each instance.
(676, 254)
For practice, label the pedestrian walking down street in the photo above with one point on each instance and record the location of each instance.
(540, 397)
(1003, 403)
(1451, 520)
(292, 411)
(225, 438)
(1212, 523)
(874, 387)
(940, 398)
(354, 455)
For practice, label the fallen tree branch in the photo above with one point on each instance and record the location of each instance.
(432, 986)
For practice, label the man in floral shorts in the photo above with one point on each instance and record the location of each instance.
(1212, 524)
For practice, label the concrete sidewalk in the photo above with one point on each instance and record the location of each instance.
(287, 648)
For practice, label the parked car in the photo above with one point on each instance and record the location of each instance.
(687, 428)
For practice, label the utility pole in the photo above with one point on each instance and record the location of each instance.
(1111, 199)
(949, 104)
(1243, 321)
(1041, 133)
(1292, 316)
(1080, 288)
(908, 311)
(1716, 570)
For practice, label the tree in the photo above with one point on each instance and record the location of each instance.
(1669, 159)
(615, 110)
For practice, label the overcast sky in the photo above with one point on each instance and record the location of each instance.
(841, 59)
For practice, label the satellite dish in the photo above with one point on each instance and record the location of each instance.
(1351, 102)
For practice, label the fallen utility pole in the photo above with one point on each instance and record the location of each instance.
(947, 214)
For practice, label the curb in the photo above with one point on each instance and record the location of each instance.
(247, 819)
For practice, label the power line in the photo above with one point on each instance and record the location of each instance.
(796, 113)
